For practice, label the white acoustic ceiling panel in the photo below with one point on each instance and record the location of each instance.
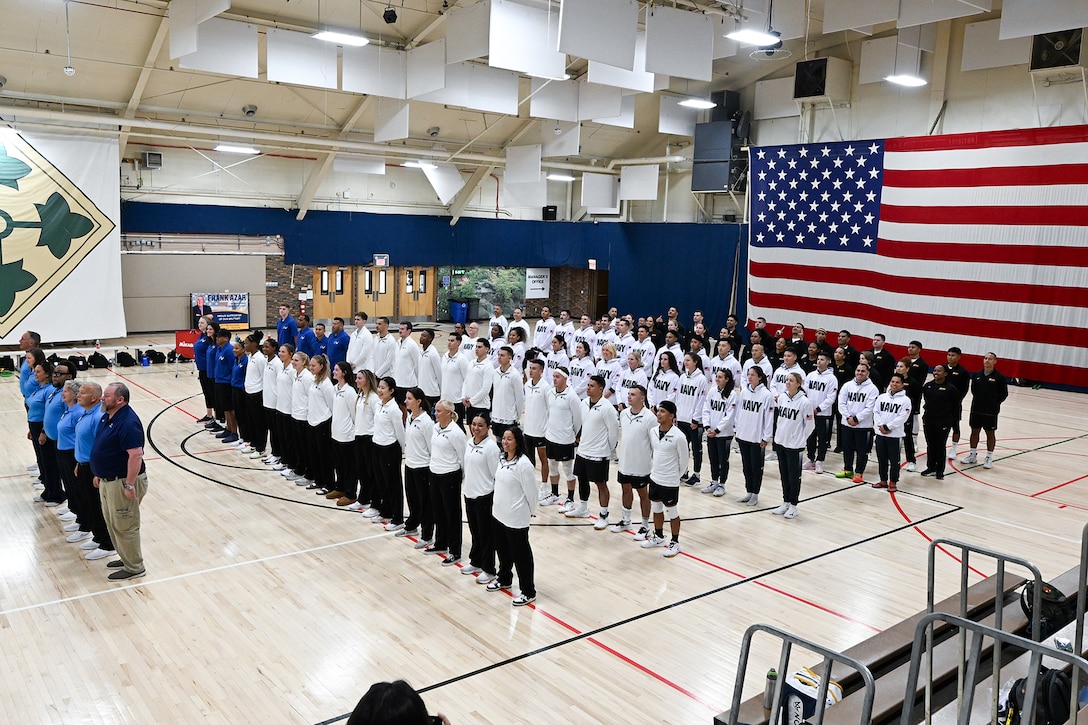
(639, 183)
(467, 31)
(680, 43)
(626, 119)
(523, 163)
(390, 120)
(600, 191)
(676, 119)
(982, 48)
(788, 18)
(555, 100)
(877, 59)
(445, 179)
(602, 30)
(297, 58)
(376, 71)
(597, 101)
(185, 16)
(846, 14)
(525, 194)
(478, 87)
(919, 12)
(225, 46)
(426, 68)
(634, 80)
(774, 99)
(524, 39)
(560, 139)
(1022, 18)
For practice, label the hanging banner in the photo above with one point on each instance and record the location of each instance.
(229, 309)
(60, 248)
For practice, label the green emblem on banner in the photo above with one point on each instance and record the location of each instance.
(47, 227)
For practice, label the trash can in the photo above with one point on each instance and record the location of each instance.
(459, 311)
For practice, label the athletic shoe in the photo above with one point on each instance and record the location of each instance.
(231, 438)
(782, 508)
(952, 452)
(352, 506)
(709, 488)
(620, 527)
(224, 433)
(423, 544)
(309, 483)
(550, 500)
(69, 516)
(988, 463)
(485, 578)
(371, 513)
(239, 444)
(653, 541)
(642, 533)
(39, 486)
(432, 549)
(693, 480)
(32, 469)
(880, 484)
(407, 532)
(69, 528)
(568, 505)
(771, 456)
(451, 560)
(89, 545)
(971, 457)
(912, 467)
(38, 498)
(818, 467)
(319, 490)
(719, 490)
(521, 600)
(256, 454)
(206, 419)
(580, 511)
(280, 468)
(470, 569)
(115, 564)
(684, 479)
(929, 472)
(745, 498)
(62, 510)
(393, 527)
(844, 474)
(808, 466)
(213, 426)
(754, 501)
(494, 586)
(791, 512)
(671, 550)
(99, 553)
(247, 450)
(122, 574)
(940, 476)
(76, 536)
(52, 504)
(857, 478)
(345, 501)
(601, 523)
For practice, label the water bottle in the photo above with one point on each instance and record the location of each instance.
(144, 360)
(97, 344)
(768, 689)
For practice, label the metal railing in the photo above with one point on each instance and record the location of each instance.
(788, 641)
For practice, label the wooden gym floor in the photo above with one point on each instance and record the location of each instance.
(265, 603)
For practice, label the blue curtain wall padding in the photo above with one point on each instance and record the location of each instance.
(651, 265)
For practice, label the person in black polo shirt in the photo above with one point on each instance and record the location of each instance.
(958, 376)
(117, 461)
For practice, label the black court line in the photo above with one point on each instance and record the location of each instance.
(664, 608)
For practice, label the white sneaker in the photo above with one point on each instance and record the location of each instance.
(247, 449)
(819, 467)
(745, 498)
(601, 523)
(791, 512)
(303, 481)
(671, 549)
(709, 488)
(38, 498)
(470, 569)
(642, 534)
(781, 509)
(371, 513)
(89, 545)
(567, 506)
(423, 544)
(988, 463)
(32, 469)
(550, 500)
(719, 490)
(754, 501)
(653, 541)
(255, 455)
(971, 457)
(771, 456)
(77, 536)
(620, 527)
(284, 471)
(67, 516)
(580, 511)
(39, 486)
(393, 527)
(808, 466)
(99, 553)
(485, 578)
(952, 452)
(62, 510)
(354, 506)
(70, 527)
(911, 467)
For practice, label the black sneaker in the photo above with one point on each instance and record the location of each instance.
(206, 419)
(122, 574)
(115, 564)
(930, 472)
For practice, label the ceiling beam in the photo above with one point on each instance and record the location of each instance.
(321, 168)
(460, 201)
(141, 83)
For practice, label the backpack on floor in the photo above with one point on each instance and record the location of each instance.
(98, 360)
(1052, 692)
(7, 362)
(125, 359)
(156, 356)
(1058, 610)
(79, 362)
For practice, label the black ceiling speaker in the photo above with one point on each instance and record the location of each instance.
(1056, 50)
(810, 78)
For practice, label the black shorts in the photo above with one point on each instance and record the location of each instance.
(534, 442)
(559, 451)
(626, 479)
(668, 495)
(224, 397)
(985, 421)
(593, 471)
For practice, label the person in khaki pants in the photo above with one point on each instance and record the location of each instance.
(117, 461)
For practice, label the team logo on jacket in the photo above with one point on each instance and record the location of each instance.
(47, 227)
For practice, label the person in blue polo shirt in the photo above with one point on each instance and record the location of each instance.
(307, 340)
(286, 328)
(210, 356)
(117, 461)
(88, 414)
(200, 357)
(338, 343)
(52, 494)
(224, 369)
(54, 409)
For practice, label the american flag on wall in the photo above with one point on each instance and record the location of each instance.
(975, 240)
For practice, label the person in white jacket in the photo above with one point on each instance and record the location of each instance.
(636, 424)
(508, 394)
(665, 383)
(345, 462)
(454, 370)
(632, 374)
(515, 502)
(476, 395)
(388, 444)
(289, 441)
(668, 463)
(889, 417)
(447, 472)
(365, 408)
(689, 411)
(481, 462)
(564, 422)
(719, 412)
(582, 368)
(430, 366)
(754, 425)
(319, 424)
(418, 429)
(383, 350)
(857, 400)
(269, 398)
(301, 382)
(795, 424)
(360, 344)
(822, 388)
(536, 423)
(596, 447)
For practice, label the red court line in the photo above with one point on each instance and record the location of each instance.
(1036, 496)
(927, 537)
(1048, 490)
(130, 381)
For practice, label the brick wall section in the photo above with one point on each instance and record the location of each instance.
(276, 271)
(569, 289)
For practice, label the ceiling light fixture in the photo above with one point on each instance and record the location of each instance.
(907, 68)
(560, 177)
(233, 149)
(341, 38)
(905, 79)
(750, 36)
(701, 103)
(419, 165)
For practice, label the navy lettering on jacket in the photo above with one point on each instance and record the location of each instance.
(753, 405)
(856, 397)
(688, 389)
(788, 413)
(891, 407)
